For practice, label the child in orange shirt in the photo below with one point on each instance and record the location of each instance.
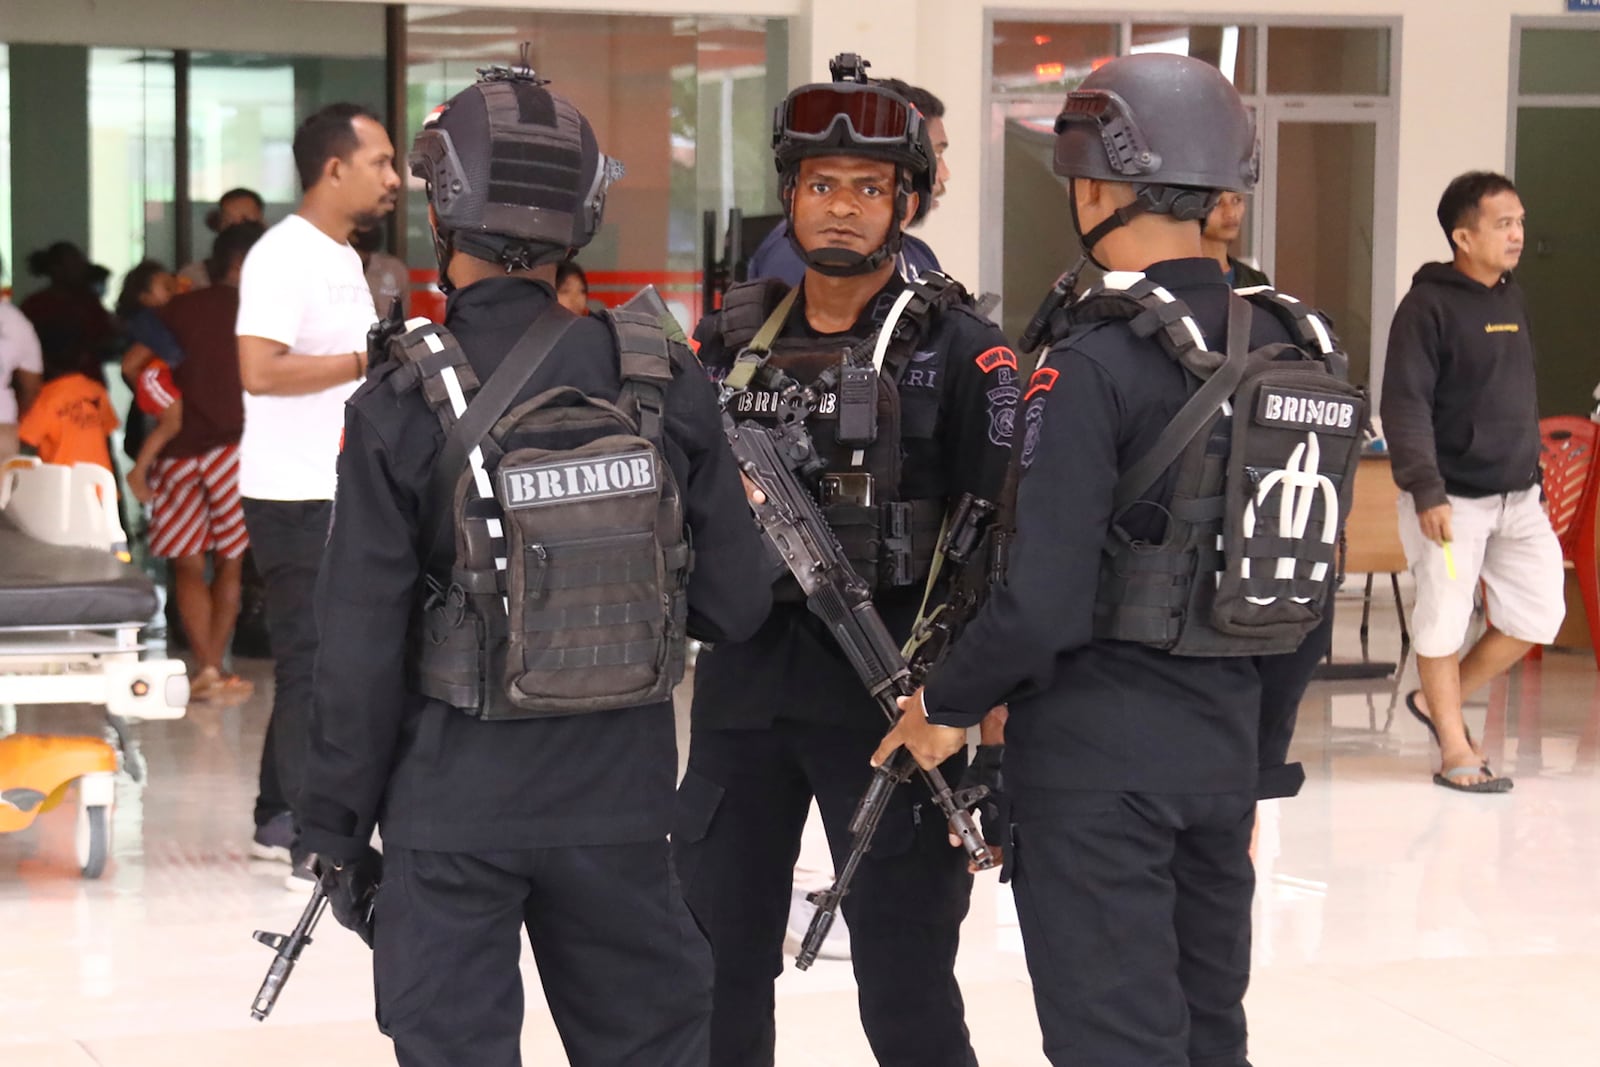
(71, 418)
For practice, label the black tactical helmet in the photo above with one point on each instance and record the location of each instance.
(853, 116)
(1171, 126)
(514, 173)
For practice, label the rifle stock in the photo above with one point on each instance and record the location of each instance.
(288, 948)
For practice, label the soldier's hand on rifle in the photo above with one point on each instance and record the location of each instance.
(928, 744)
(986, 769)
(752, 492)
(352, 887)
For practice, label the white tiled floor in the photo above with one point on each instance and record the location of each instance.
(1397, 923)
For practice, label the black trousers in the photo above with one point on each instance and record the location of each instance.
(287, 537)
(1135, 916)
(741, 810)
(625, 971)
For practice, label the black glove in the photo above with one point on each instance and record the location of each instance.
(994, 810)
(352, 886)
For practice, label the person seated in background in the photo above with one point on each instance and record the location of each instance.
(70, 420)
(572, 287)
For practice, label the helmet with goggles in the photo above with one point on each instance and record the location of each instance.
(854, 116)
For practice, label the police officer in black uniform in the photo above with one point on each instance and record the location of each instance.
(554, 825)
(781, 718)
(1133, 771)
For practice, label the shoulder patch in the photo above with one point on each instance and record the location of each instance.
(999, 356)
(1043, 380)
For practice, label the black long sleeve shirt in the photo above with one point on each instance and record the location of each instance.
(1088, 713)
(437, 778)
(958, 397)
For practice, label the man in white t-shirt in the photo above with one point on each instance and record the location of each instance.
(304, 311)
(21, 371)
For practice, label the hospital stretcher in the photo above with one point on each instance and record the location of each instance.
(71, 607)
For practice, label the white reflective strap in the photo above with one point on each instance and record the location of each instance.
(1188, 320)
(1321, 330)
(480, 477)
(1122, 280)
(881, 350)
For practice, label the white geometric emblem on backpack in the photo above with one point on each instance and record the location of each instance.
(1301, 482)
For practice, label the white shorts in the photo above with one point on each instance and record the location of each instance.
(1505, 540)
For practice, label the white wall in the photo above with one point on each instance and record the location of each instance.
(348, 29)
(1453, 96)
(1453, 90)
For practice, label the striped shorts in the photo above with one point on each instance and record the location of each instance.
(196, 507)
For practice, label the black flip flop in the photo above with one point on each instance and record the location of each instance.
(1416, 712)
(1495, 784)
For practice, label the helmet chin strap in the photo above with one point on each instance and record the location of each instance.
(1117, 219)
(512, 254)
(442, 252)
(1181, 203)
(842, 262)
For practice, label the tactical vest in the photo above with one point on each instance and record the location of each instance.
(889, 541)
(1265, 452)
(566, 593)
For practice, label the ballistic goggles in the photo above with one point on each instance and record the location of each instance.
(871, 115)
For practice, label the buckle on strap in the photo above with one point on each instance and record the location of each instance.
(896, 547)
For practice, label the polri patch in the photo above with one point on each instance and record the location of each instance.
(999, 356)
(1294, 409)
(591, 478)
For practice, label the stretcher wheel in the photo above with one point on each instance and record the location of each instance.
(93, 839)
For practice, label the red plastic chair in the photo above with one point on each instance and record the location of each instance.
(1572, 490)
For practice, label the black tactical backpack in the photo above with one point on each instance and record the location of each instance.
(566, 594)
(1265, 451)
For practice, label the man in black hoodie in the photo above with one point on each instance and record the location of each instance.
(1462, 421)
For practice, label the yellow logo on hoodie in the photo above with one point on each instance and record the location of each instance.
(1502, 327)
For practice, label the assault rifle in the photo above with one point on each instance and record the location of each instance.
(288, 947)
(838, 596)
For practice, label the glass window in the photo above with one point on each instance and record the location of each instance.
(1352, 61)
(685, 103)
(1231, 49)
(241, 132)
(1032, 57)
(1038, 240)
(243, 111)
(1324, 238)
(130, 157)
(1560, 61)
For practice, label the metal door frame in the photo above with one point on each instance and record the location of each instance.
(1385, 214)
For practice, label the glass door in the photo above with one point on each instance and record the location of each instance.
(1319, 201)
(1028, 205)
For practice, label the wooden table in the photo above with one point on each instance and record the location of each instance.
(1372, 547)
